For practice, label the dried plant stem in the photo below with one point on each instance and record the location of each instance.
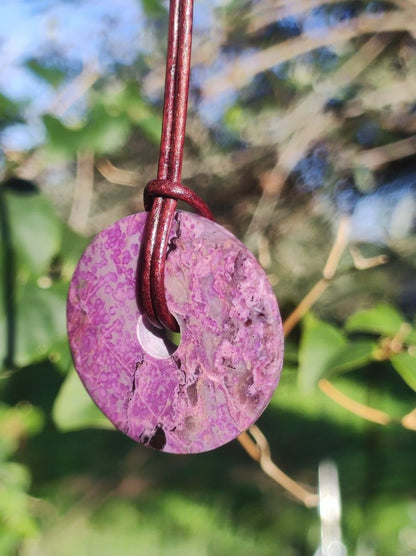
(33, 165)
(338, 248)
(289, 156)
(259, 450)
(409, 421)
(84, 186)
(266, 13)
(249, 446)
(303, 307)
(313, 103)
(116, 175)
(99, 221)
(374, 158)
(269, 12)
(400, 92)
(304, 135)
(363, 411)
(242, 71)
(396, 343)
(387, 347)
(364, 263)
(74, 91)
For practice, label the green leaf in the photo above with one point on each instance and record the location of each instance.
(72, 248)
(15, 512)
(35, 231)
(3, 317)
(405, 365)
(62, 140)
(17, 423)
(52, 75)
(108, 125)
(15, 475)
(105, 134)
(411, 338)
(319, 344)
(364, 179)
(129, 102)
(60, 356)
(291, 352)
(102, 133)
(74, 409)
(151, 128)
(235, 117)
(40, 323)
(383, 319)
(353, 356)
(153, 7)
(10, 111)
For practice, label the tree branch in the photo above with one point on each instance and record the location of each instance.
(241, 71)
(259, 450)
(363, 411)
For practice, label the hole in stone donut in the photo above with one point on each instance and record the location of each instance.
(160, 344)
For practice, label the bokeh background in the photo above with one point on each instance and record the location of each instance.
(302, 138)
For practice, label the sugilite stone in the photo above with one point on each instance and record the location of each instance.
(215, 384)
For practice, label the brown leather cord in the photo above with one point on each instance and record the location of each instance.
(172, 190)
(161, 195)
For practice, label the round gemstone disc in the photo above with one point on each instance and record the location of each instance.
(216, 383)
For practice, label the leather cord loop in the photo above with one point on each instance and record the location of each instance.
(178, 191)
(161, 195)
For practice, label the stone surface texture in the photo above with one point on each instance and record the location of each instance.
(227, 366)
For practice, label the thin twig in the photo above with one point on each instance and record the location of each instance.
(261, 16)
(116, 175)
(74, 91)
(379, 156)
(363, 411)
(99, 221)
(304, 306)
(295, 118)
(289, 156)
(396, 343)
(400, 92)
(388, 347)
(249, 446)
(30, 168)
(259, 450)
(338, 248)
(83, 191)
(241, 71)
(318, 125)
(364, 263)
(331, 265)
(222, 164)
(409, 421)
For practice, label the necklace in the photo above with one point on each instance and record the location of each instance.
(172, 270)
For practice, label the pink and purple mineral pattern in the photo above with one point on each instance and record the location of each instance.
(203, 393)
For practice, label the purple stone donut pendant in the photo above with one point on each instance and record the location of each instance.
(216, 383)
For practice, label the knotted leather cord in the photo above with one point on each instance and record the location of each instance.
(161, 195)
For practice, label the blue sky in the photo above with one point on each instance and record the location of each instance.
(84, 30)
(91, 32)
(79, 33)
(75, 31)
(99, 32)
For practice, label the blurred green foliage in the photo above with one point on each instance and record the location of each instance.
(69, 484)
(112, 115)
